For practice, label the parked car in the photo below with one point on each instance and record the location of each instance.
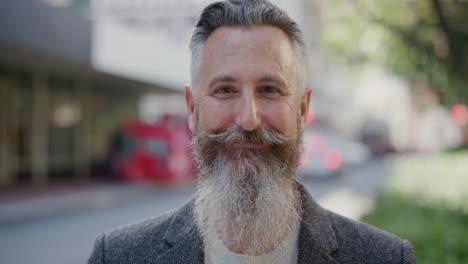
(327, 155)
(154, 152)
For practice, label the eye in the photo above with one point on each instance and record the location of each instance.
(269, 90)
(224, 92)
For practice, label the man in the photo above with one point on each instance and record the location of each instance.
(247, 106)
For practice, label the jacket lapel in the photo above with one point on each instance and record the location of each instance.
(316, 236)
(182, 240)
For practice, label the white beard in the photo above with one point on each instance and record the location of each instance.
(249, 201)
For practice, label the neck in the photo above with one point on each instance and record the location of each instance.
(243, 247)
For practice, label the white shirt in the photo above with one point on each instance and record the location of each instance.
(286, 253)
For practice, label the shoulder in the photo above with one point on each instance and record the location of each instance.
(363, 241)
(134, 242)
(140, 232)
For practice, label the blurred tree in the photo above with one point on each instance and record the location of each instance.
(425, 41)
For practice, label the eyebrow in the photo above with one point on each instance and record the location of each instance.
(265, 79)
(222, 78)
(273, 79)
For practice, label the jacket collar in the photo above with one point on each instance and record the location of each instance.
(182, 237)
(316, 236)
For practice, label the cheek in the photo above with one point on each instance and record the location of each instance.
(213, 116)
(281, 117)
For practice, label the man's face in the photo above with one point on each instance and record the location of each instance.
(248, 80)
(247, 115)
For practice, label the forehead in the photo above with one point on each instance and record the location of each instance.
(237, 37)
(247, 52)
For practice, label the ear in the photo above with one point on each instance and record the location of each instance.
(305, 103)
(189, 101)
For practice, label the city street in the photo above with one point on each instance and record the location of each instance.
(69, 238)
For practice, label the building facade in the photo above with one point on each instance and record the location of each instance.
(57, 112)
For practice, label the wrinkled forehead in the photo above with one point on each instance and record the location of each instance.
(258, 49)
(256, 40)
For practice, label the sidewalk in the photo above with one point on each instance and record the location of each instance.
(351, 195)
(348, 202)
(48, 204)
(354, 193)
(32, 204)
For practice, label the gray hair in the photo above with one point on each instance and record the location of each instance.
(246, 13)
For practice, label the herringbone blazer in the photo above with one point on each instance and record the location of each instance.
(324, 238)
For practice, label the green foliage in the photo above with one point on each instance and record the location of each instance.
(426, 202)
(426, 41)
(433, 180)
(438, 234)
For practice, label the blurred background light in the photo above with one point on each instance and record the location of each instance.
(332, 159)
(460, 114)
(316, 146)
(310, 115)
(66, 115)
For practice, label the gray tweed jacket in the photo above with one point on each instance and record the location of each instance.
(324, 237)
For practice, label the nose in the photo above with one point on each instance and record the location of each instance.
(247, 114)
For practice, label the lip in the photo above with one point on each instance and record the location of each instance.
(248, 145)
